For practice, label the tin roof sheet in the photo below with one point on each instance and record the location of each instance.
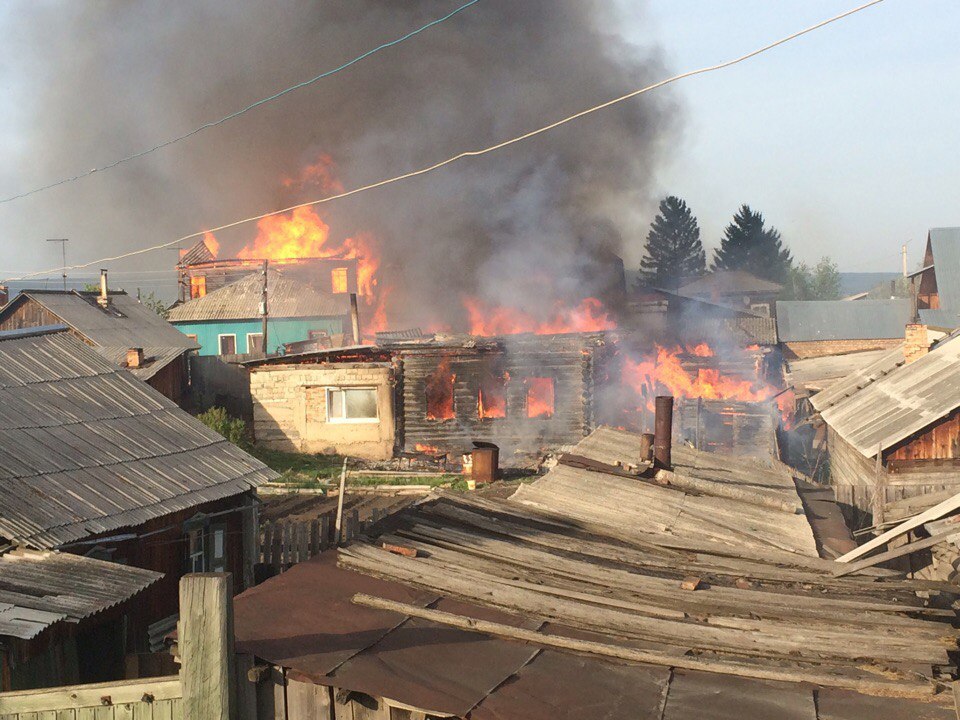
(817, 320)
(240, 300)
(87, 448)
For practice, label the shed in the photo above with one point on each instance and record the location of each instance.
(113, 328)
(893, 428)
(229, 320)
(95, 462)
(735, 288)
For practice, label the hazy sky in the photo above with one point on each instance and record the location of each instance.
(847, 140)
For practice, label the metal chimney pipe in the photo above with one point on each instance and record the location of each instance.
(663, 431)
(104, 299)
(355, 318)
(646, 447)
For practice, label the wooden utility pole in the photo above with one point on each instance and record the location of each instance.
(343, 488)
(263, 309)
(205, 642)
(355, 318)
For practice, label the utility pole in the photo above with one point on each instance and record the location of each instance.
(63, 248)
(903, 255)
(263, 308)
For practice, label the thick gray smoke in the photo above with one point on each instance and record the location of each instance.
(516, 227)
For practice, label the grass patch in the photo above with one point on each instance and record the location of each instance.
(431, 480)
(301, 470)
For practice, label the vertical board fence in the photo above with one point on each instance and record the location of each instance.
(286, 542)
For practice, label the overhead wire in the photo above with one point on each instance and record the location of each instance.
(478, 152)
(237, 113)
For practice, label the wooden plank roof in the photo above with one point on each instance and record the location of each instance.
(87, 448)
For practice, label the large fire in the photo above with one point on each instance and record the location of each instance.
(492, 396)
(664, 372)
(439, 392)
(540, 400)
(587, 316)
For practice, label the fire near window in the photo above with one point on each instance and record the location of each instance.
(539, 397)
(338, 280)
(346, 405)
(492, 396)
(439, 392)
(198, 287)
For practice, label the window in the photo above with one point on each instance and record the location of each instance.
(198, 286)
(338, 280)
(439, 392)
(206, 545)
(191, 337)
(317, 335)
(228, 344)
(539, 397)
(254, 342)
(492, 396)
(352, 405)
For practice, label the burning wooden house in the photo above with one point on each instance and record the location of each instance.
(200, 271)
(433, 394)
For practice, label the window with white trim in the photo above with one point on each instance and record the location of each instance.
(228, 344)
(254, 342)
(346, 405)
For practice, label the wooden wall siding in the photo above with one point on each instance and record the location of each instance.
(280, 697)
(283, 543)
(28, 314)
(940, 441)
(171, 381)
(572, 370)
(86, 702)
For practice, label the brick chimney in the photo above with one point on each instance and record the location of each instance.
(916, 343)
(134, 357)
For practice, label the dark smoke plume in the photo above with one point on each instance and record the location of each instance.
(518, 226)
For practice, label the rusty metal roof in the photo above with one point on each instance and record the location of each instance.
(884, 408)
(581, 574)
(86, 448)
(240, 300)
(40, 588)
(125, 324)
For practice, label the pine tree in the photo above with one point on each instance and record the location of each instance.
(674, 250)
(748, 245)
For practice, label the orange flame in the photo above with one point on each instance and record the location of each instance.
(321, 174)
(491, 398)
(539, 397)
(429, 449)
(212, 244)
(588, 316)
(439, 392)
(665, 370)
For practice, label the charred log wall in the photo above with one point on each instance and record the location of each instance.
(573, 362)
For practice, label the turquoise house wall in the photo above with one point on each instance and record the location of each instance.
(279, 331)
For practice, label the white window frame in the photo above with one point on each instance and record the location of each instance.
(220, 343)
(345, 420)
(250, 335)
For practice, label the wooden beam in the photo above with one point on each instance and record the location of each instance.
(847, 568)
(205, 641)
(702, 664)
(75, 697)
(934, 513)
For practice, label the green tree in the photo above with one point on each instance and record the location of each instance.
(155, 304)
(674, 250)
(748, 245)
(822, 282)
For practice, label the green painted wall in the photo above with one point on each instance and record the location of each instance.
(279, 331)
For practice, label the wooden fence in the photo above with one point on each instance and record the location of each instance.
(286, 542)
(205, 688)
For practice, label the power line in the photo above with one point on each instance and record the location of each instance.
(231, 116)
(473, 153)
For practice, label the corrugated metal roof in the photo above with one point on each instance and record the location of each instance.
(39, 588)
(87, 448)
(126, 324)
(820, 372)
(852, 383)
(199, 253)
(895, 405)
(240, 300)
(811, 320)
(940, 317)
